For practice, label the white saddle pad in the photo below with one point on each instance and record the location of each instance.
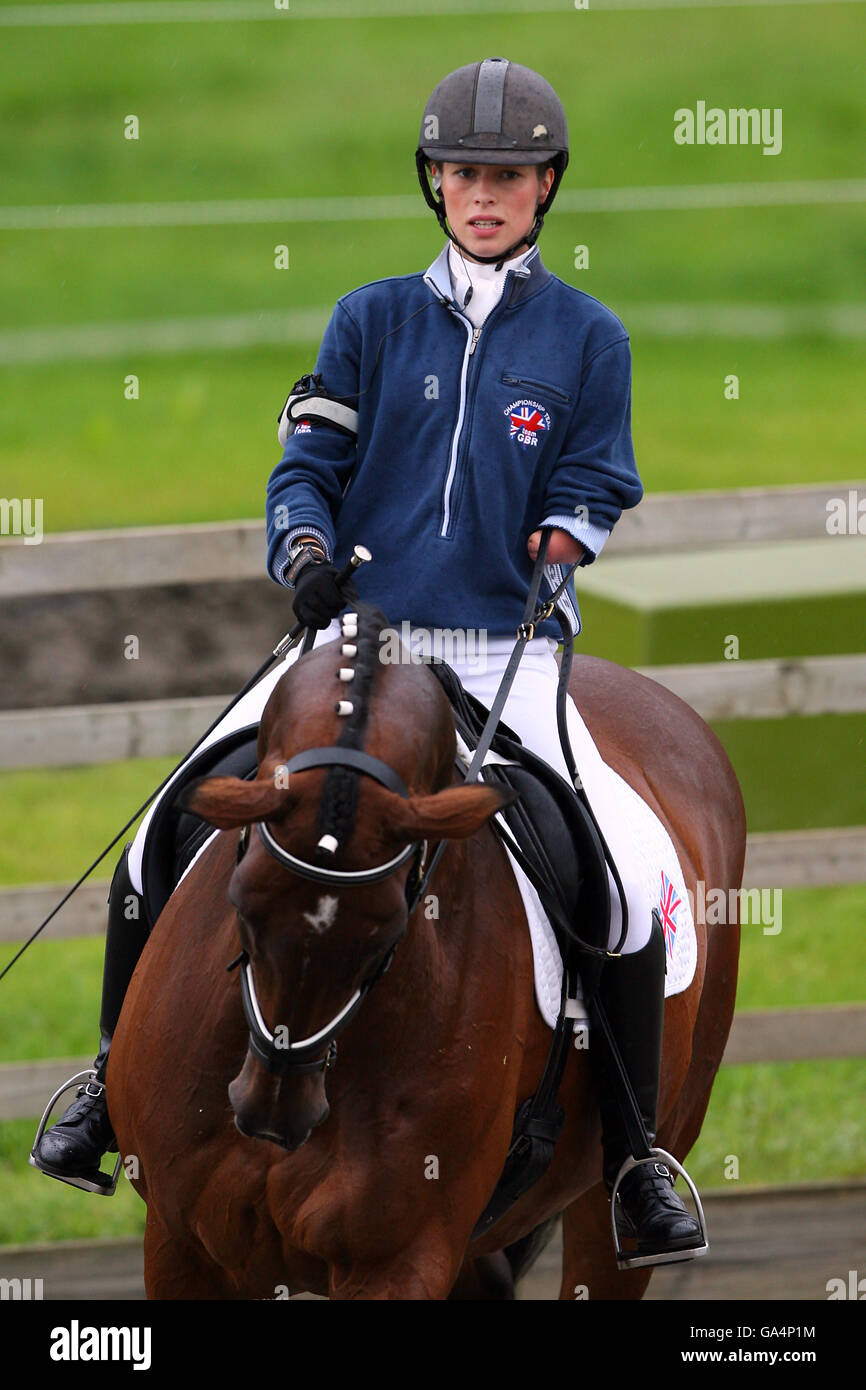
(657, 866)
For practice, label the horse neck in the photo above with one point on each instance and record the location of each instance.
(453, 929)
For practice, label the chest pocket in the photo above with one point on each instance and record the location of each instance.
(556, 393)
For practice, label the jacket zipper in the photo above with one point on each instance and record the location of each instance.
(509, 380)
(471, 344)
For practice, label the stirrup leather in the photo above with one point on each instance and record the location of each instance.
(101, 1189)
(624, 1259)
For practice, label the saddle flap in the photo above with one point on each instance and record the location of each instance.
(551, 822)
(557, 834)
(175, 835)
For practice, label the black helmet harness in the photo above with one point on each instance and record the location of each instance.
(508, 114)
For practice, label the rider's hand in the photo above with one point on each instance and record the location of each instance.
(316, 598)
(562, 548)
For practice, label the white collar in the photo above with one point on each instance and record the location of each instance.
(438, 277)
(475, 271)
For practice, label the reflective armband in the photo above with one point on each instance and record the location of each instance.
(309, 402)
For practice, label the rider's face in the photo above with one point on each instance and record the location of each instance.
(492, 206)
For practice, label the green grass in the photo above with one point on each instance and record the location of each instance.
(229, 112)
(790, 1122)
(59, 819)
(799, 773)
(235, 109)
(693, 257)
(819, 956)
(200, 442)
(35, 1208)
(51, 1000)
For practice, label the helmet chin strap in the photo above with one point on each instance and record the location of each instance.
(501, 256)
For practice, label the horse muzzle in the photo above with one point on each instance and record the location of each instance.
(281, 1111)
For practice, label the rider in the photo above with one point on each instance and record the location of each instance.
(453, 414)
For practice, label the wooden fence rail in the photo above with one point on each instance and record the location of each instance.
(783, 859)
(74, 735)
(772, 1035)
(74, 562)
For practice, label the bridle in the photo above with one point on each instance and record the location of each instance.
(284, 1057)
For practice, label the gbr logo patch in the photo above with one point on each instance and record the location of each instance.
(527, 423)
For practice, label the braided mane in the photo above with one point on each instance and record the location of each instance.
(339, 801)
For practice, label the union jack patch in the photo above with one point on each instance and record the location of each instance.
(527, 422)
(668, 904)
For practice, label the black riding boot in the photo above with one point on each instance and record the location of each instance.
(74, 1146)
(648, 1210)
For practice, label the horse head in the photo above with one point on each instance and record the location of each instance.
(345, 803)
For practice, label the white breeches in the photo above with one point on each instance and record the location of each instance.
(530, 711)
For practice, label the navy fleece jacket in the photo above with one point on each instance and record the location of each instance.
(468, 441)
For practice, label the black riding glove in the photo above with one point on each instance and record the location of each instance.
(316, 598)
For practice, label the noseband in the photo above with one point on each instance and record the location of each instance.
(284, 1058)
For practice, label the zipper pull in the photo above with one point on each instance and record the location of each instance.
(476, 334)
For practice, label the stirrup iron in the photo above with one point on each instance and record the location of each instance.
(626, 1260)
(104, 1189)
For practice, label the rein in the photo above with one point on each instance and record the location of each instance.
(287, 1058)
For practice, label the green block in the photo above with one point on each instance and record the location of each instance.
(799, 773)
(778, 599)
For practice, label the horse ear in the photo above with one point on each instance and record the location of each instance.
(230, 802)
(452, 814)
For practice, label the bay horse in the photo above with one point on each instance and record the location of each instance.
(365, 1180)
